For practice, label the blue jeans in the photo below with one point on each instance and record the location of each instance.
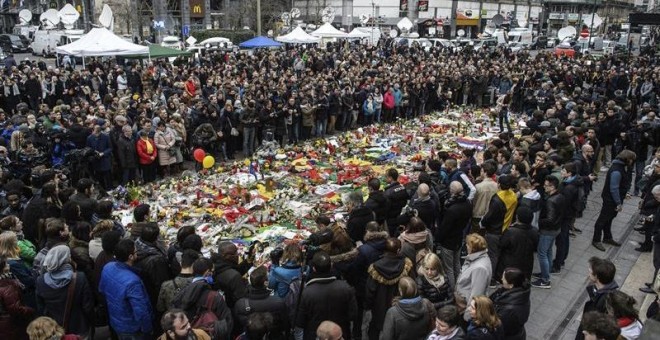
(377, 115)
(321, 125)
(544, 251)
(248, 140)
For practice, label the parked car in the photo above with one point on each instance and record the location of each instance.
(486, 44)
(567, 48)
(3, 56)
(552, 42)
(12, 43)
(516, 46)
(539, 42)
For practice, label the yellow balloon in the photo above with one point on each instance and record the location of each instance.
(208, 162)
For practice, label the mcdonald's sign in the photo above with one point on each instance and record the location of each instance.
(196, 8)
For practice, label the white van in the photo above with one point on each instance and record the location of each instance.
(523, 36)
(45, 41)
(171, 42)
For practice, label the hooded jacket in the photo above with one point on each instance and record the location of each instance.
(596, 302)
(571, 191)
(368, 253)
(379, 204)
(118, 282)
(439, 293)
(230, 281)
(382, 285)
(15, 315)
(513, 308)
(475, 275)
(153, 267)
(532, 200)
(193, 297)
(458, 212)
(357, 222)
(259, 300)
(517, 246)
(409, 319)
(52, 300)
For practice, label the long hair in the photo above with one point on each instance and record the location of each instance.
(44, 328)
(9, 245)
(620, 305)
(485, 314)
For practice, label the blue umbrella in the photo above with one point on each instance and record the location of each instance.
(260, 42)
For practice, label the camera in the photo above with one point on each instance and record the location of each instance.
(276, 255)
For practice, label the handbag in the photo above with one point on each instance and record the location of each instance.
(234, 131)
(69, 302)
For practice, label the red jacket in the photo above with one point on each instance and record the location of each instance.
(143, 157)
(14, 322)
(388, 100)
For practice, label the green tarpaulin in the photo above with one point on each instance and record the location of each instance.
(157, 51)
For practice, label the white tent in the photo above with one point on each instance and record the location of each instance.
(329, 31)
(101, 42)
(298, 36)
(357, 34)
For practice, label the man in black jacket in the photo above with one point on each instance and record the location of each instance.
(377, 201)
(573, 191)
(518, 243)
(397, 195)
(358, 216)
(314, 307)
(617, 184)
(84, 189)
(449, 234)
(151, 261)
(426, 209)
(601, 276)
(259, 300)
(228, 277)
(552, 215)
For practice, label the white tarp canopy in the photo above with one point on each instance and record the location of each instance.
(101, 42)
(356, 34)
(328, 31)
(298, 36)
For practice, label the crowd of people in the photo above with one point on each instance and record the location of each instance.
(394, 268)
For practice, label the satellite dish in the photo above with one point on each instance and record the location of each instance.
(269, 33)
(497, 20)
(295, 13)
(286, 17)
(405, 24)
(68, 15)
(566, 32)
(328, 14)
(393, 33)
(364, 18)
(49, 18)
(24, 16)
(460, 33)
(107, 19)
(522, 23)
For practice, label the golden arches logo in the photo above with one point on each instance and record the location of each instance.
(197, 9)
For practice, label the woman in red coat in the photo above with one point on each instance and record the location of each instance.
(14, 315)
(388, 105)
(147, 154)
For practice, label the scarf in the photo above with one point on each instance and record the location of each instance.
(150, 147)
(414, 238)
(625, 321)
(11, 276)
(59, 278)
(436, 282)
(435, 335)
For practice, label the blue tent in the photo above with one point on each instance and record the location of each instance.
(260, 42)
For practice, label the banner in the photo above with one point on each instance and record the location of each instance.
(196, 8)
(403, 5)
(423, 5)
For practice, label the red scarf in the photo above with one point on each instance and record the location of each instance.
(625, 321)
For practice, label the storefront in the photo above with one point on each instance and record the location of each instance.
(468, 21)
(431, 28)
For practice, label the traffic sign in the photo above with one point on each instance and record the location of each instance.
(185, 30)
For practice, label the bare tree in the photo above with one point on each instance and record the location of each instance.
(244, 13)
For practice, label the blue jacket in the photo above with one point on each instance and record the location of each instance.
(398, 96)
(101, 143)
(281, 276)
(129, 310)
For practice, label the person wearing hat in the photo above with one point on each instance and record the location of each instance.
(518, 244)
(53, 292)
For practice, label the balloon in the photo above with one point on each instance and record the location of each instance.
(199, 155)
(208, 162)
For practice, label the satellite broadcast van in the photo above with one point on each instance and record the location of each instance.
(45, 41)
(523, 36)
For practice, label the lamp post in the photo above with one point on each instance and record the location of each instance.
(593, 16)
(258, 17)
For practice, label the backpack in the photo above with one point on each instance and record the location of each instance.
(205, 319)
(292, 296)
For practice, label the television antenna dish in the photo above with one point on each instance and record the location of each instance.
(24, 16)
(394, 33)
(286, 18)
(566, 32)
(49, 18)
(405, 24)
(68, 15)
(328, 14)
(460, 33)
(364, 18)
(497, 20)
(295, 13)
(106, 19)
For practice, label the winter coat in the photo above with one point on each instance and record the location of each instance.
(192, 299)
(357, 221)
(517, 247)
(80, 255)
(281, 276)
(571, 191)
(169, 289)
(459, 335)
(457, 215)
(230, 281)
(307, 115)
(126, 315)
(382, 285)
(596, 302)
(153, 266)
(86, 203)
(398, 197)
(475, 275)
(314, 307)
(127, 153)
(368, 253)
(388, 101)
(500, 212)
(199, 334)
(101, 143)
(532, 200)
(14, 314)
(379, 204)
(259, 300)
(409, 319)
(513, 308)
(53, 300)
(438, 296)
(144, 158)
(552, 214)
(475, 332)
(165, 143)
